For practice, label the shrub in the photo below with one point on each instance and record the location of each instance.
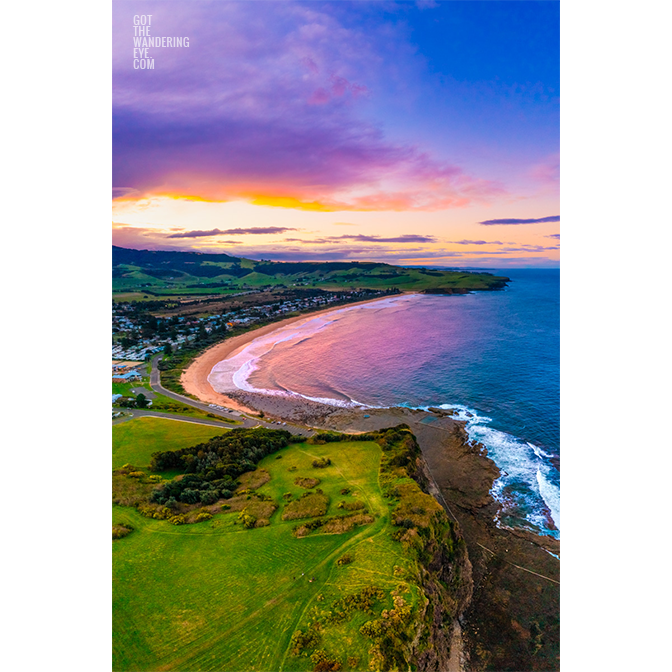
(209, 496)
(340, 524)
(327, 666)
(319, 656)
(203, 516)
(119, 531)
(247, 520)
(190, 496)
(162, 514)
(322, 462)
(323, 662)
(351, 506)
(307, 483)
(137, 474)
(363, 600)
(301, 640)
(344, 560)
(177, 520)
(309, 505)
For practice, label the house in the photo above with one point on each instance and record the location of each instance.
(126, 377)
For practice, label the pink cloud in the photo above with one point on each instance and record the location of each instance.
(277, 113)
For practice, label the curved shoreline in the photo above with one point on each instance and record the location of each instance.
(194, 380)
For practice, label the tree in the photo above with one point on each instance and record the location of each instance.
(141, 401)
(167, 349)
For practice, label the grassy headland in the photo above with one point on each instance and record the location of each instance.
(360, 575)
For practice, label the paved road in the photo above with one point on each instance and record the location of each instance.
(130, 413)
(247, 421)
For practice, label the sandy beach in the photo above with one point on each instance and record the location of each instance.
(195, 378)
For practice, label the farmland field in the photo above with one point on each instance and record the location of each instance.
(218, 596)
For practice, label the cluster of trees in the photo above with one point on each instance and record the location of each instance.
(193, 489)
(140, 401)
(230, 454)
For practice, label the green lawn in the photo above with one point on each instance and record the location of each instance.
(133, 442)
(126, 388)
(217, 596)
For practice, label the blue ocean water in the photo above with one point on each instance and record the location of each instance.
(491, 356)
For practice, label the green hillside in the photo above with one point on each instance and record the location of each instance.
(145, 274)
(314, 562)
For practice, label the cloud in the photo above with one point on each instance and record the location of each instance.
(124, 192)
(361, 238)
(492, 222)
(257, 230)
(136, 237)
(405, 238)
(151, 239)
(554, 235)
(277, 118)
(476, 242)
(547, 171)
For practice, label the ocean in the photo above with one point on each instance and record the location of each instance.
(491, 357)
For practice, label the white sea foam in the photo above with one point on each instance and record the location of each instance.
(538, 451)
(526, 472)
(551, 495)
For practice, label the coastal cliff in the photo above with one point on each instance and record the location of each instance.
(418, 634)
(446, 580)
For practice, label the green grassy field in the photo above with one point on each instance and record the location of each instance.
(218, 596)
(133, 275)
(134, 441)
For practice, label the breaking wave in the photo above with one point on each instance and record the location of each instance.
(529, 487)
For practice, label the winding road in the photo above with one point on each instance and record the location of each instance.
(244, 420)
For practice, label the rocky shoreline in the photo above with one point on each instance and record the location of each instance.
(513, 620)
